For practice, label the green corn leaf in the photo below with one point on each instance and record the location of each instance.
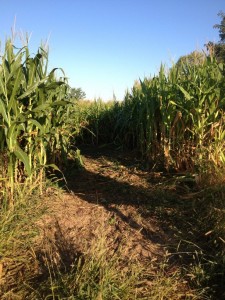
(32, 69)
(2, 87)
(12, 134)
(31, 89)
(22, 156)
(3, 111)
(7, 67)
(52, 75)
(42, 107)
(221, 67)
(186, 94)
(12, 101)
(37, 124)
(60, 103)
(16, 128)
(53, 85)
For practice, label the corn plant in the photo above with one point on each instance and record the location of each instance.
(97, 120)
(177, 118)
(32, 108)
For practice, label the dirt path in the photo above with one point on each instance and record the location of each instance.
(143, 218)
(115, 197)
(113, 193)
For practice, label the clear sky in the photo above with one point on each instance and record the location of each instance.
(105, 45)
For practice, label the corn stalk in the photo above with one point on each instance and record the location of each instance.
(32, 105)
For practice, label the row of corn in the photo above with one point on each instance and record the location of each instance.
(174, 119)
(177, 117)
(35, 125)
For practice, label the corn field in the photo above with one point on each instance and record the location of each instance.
(97, 120)
(178, 118)
(35, 128)
(174, 120)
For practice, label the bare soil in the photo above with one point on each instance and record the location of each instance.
(115, 193)
(144, 213)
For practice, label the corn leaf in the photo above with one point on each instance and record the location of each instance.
(22, 156)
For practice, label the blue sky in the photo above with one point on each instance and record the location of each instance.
(105, 45)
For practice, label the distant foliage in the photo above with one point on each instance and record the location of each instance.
(97, 121)
(195, 58)
(218, 49)
(221, 26)
(77, 94)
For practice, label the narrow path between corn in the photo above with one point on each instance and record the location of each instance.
(112, 195)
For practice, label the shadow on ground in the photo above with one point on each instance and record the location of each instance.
(114, 179)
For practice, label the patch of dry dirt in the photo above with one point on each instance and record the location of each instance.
(107, 195)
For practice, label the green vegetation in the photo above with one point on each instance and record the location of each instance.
(174, 120)
(174, 125)
(93, 276)
(97, 120)
(35, 118)
(218, 49)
